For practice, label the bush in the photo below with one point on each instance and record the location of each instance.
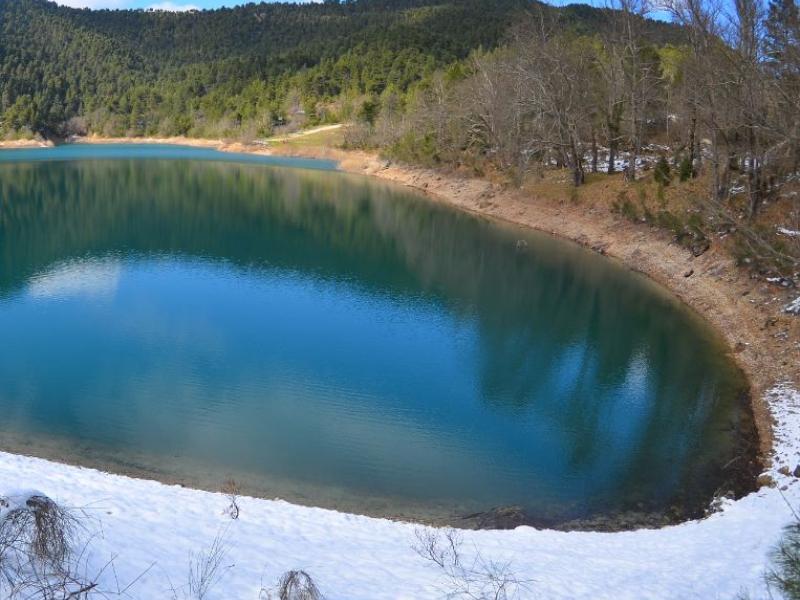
(369, 111)
(293, 585)
(670, 221)
(662, 173)
(38, 557)
(413, 148)
(298, 585)
(686, 169)
(39, 529)
(623, 205)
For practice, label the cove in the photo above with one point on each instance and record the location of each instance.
(195, 316)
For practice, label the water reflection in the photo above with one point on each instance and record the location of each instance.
(332, 340)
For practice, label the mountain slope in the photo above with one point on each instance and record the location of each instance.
(138, 72)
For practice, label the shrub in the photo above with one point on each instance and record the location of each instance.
(40, 529)
(293, 585)
(416, 148)
(625, 207)
(686, 169)
(298, 585)
(38, 556)
(667, 220)
(662, 173)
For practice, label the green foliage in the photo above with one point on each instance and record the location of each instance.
(662, 198)
(237, 71)
(662, 172)
(414, 148)
(671, 222)
(625, 207)
(214, 72)
(785, 573)
(686, 169)
(369, 111)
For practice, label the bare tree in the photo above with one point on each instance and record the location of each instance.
(610, 95)
(495, 121)
(556, 99)
(640, 68)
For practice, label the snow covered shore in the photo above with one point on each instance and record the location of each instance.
(155, 529)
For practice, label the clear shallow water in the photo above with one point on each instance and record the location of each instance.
(332, 340)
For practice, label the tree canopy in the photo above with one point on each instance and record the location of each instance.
(237, 70)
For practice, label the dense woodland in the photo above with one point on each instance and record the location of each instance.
(708, 104)
(235, 72)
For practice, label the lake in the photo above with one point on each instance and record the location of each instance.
(195, 316)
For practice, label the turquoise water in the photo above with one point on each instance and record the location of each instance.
(324, 338)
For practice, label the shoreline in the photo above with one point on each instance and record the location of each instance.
(746, 313)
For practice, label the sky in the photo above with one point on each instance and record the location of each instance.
(199, 4)
(177, 5)
(162, 4)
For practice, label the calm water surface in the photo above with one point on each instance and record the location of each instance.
(331, 340)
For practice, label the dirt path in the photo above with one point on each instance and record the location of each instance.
(302, 133)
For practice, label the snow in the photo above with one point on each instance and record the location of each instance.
(153, 530)
(793, 308)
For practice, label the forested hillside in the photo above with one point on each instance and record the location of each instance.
(705, 128)
(240, 71)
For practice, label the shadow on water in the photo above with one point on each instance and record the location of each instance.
(342, 343)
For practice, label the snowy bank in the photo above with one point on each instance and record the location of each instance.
(155, 529)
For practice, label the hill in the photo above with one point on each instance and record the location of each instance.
(238, 70)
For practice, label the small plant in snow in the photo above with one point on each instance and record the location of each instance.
(293, 585)
(39, 528)
(206, 570)
(231, 489)
(43, 553)
(475, 578)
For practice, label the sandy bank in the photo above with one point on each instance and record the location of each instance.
(11, 144)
